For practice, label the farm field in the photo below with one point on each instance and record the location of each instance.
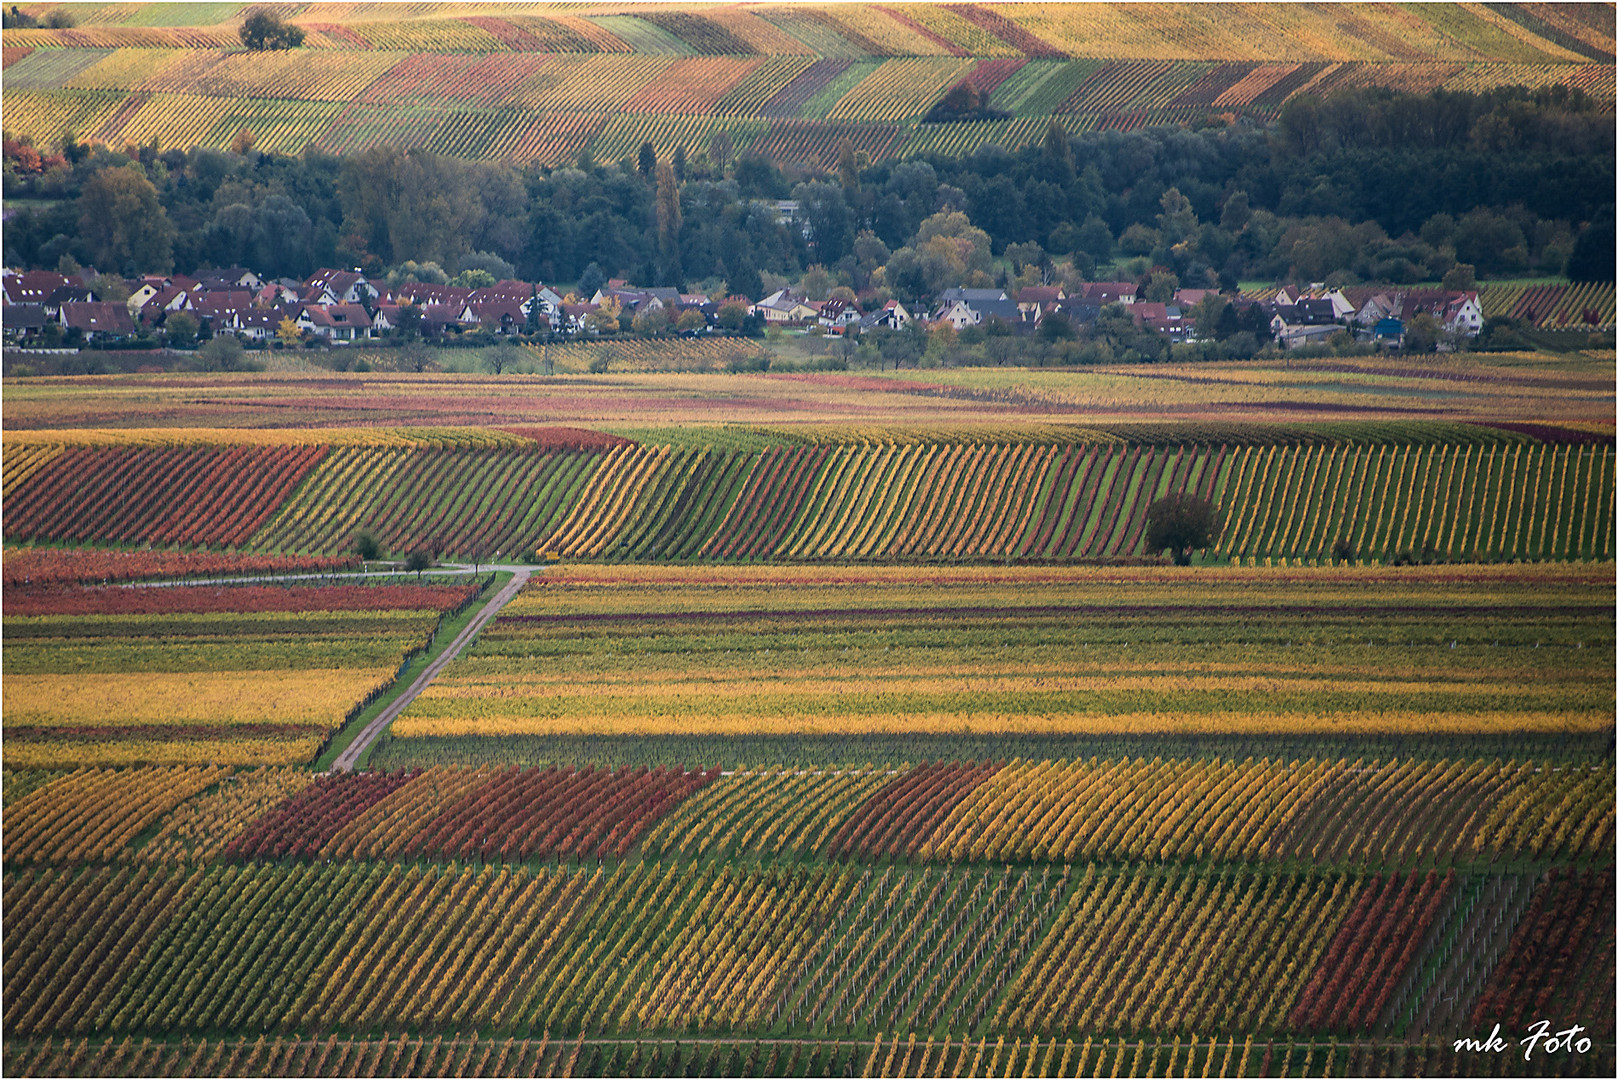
(1347, 492)
(1490, 388)
(813, 661)
(540, 83)
(844, 727)
(99, 677)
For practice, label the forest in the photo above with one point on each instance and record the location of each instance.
(1364, 186)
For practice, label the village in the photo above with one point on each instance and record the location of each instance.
(48, 309)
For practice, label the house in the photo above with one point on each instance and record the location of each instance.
(23, 321)
(385, 320)
(34, 287)
(838, 314)
(1186, 299)
(220, 311)
(337, 323)
(275, 294)
(1034, 301)
(421, 294)
(782, 307)
(97, 320)
(68, 294)
(230, 279)
(260, 324)
(1166, 319)
(496, 316)
(344, 286)
(1389, 333)
(171, 297)
(1457, 312)
(890, 316)
(149, 287)
(571, 317)
(1078, 311)
(977, 308)
(958, 313)
(1292, 337)
(637, 300)
(1102, 293)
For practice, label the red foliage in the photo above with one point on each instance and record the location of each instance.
(556, 812)
(199, 599)
(898, 818)
(1549, 953)
(301, 825)
(66, 566)
(1371, 952)
(217, 496)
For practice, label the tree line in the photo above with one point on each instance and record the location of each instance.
(1363, 186)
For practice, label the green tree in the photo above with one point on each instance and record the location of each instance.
(418, 560)
(367, 546)
(731, 316)
(124, 224)
(222, 353)
(646, 160)
(669, 223)
(1181, 523)
(180, 328)
(473, 279)
(263, 30)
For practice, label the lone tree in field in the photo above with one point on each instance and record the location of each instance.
(367, 546)
(1181, 522)
(264, 30)
(419, 560)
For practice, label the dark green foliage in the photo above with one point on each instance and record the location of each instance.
(263, 30)
(1182, 523)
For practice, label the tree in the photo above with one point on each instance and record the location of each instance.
(646, 161)
(476, 278)
(732, 315)
(1462, 277)
(123, 222)
(1182, 523)
(669, 223)
(367, 546)
(288, 332)
(502, 355)
(848, 169)
(222, 353)
(420, 559)
(263, 30)
(1592, 258)
(690, 319)
(181, 329)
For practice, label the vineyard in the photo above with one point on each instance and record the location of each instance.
(595, 929)
(1500, 495)
(539, 86)
(101, 676)
(803, 656)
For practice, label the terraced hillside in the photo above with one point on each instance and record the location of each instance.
(541, 83)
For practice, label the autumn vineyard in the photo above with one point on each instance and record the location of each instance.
(542, 83)
(715, 705)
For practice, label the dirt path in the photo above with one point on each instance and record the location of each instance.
(348, 758)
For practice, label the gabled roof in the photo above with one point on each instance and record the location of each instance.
(419, 292)
(971, 296)
(98, 318)
(216, 304)
(1040, 294)
(34, 286)
(23, 316)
